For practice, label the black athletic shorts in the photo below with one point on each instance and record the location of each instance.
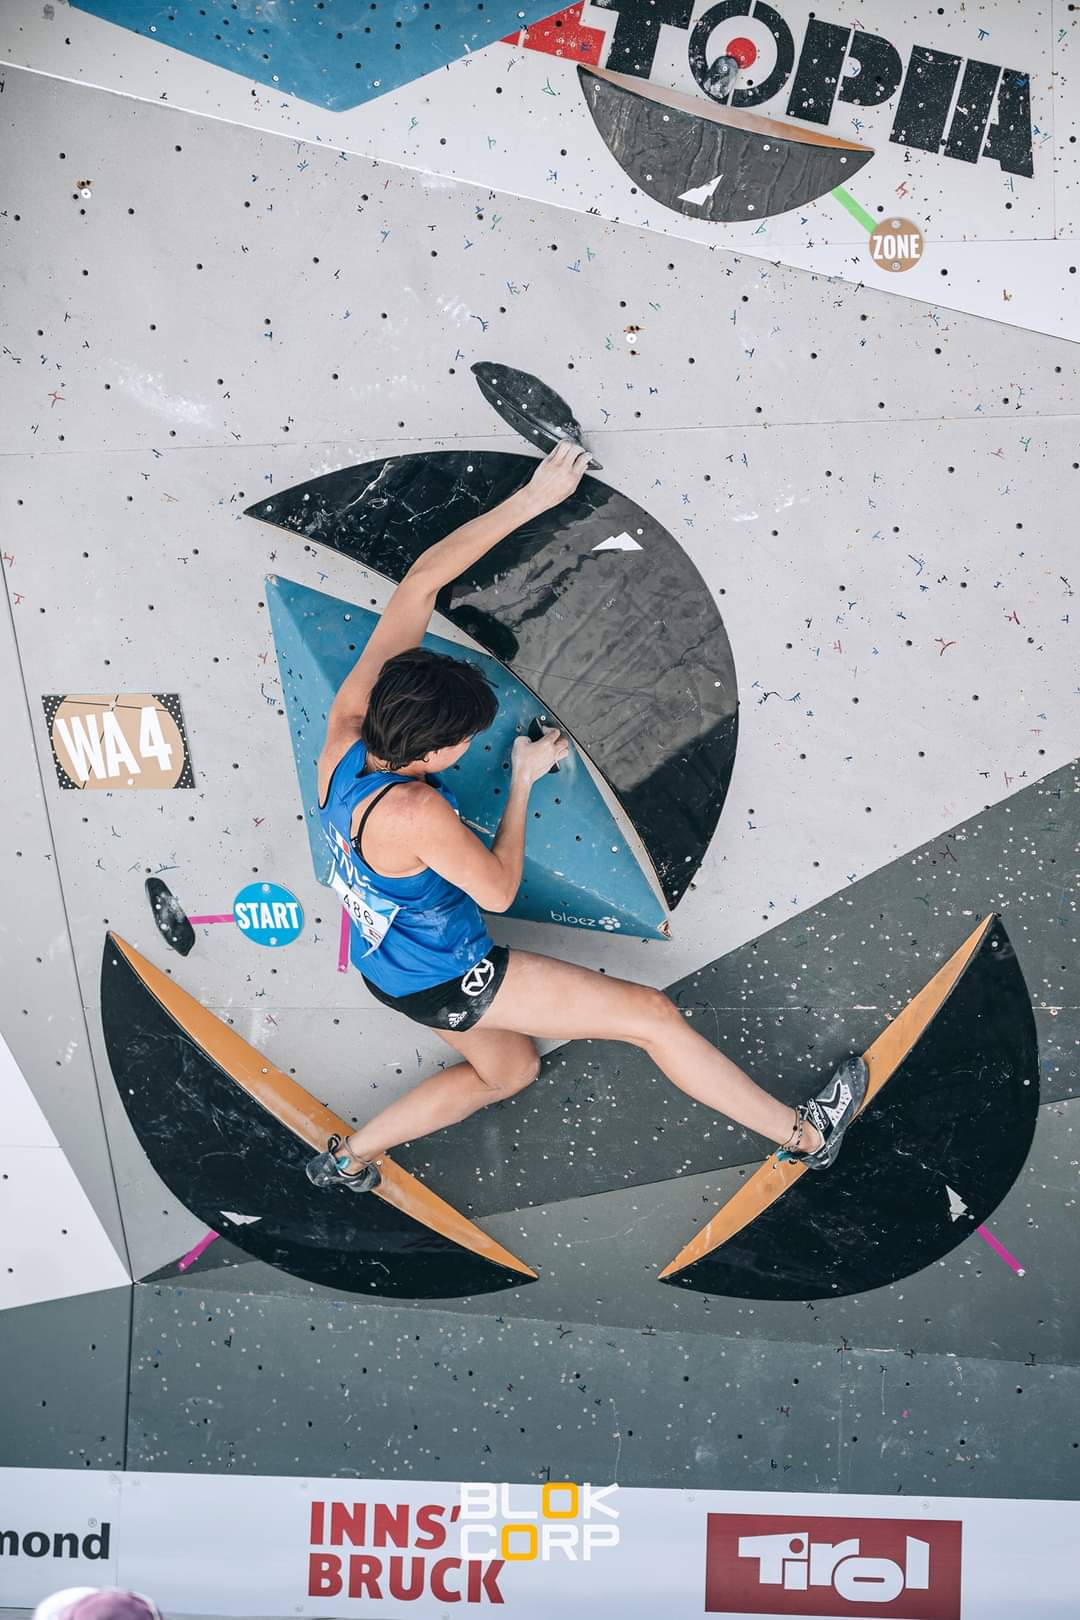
(456, 1003)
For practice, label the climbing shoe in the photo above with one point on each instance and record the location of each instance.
(329, 1169)
(831, 1112)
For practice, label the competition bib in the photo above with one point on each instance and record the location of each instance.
(372, 913)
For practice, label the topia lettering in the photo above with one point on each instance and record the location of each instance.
(838, 63)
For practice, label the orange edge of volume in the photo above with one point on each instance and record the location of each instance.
(883, 1057)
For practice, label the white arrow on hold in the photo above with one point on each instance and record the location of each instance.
(700, 194)
(240, 1220)
(957, 1207)
(618, 542)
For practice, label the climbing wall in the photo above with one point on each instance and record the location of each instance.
(960, 122)
(834, 501)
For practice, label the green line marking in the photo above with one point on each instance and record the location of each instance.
(856, 210)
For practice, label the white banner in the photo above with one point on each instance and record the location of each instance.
(258, 1546)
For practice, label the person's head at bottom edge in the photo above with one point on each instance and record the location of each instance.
(97, 1603)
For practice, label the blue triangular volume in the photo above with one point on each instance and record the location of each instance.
(578, 870)
(333, 53)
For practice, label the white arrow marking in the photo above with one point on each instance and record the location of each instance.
(618, 542)
(957, 1207)
(700, 194)
(240, 1220)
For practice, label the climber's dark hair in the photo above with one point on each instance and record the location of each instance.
(423, 701)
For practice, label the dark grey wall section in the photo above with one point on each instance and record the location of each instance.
(599, 1257)
(787, 1007)
(291, 1386)
(963, 1428)
(63, 1401)
(286, 1386)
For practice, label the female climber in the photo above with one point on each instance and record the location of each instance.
(415, 881)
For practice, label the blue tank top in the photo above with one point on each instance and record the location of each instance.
(406, 933)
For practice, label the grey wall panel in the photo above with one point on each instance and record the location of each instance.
(787, 1006)
(514, 120)
(599, 1256)
(283, 1386)
(41, 1011)
(294, 1387)
(65, 1395)
(971, 1303)
(159, 1228)
(958, 1426)
(171, 302)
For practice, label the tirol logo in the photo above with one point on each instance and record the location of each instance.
(268, 914)
(780, 1564)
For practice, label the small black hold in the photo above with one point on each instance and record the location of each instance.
(536, 411)
(170, 916)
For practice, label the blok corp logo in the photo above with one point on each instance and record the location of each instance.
(573, 1521)
(779, 1564)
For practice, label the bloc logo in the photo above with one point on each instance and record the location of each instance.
(608, 924)
(781, 1564)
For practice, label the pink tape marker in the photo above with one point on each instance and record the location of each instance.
(1000, 1250)
(228, 917)
(343, 943)
(200, 1248)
